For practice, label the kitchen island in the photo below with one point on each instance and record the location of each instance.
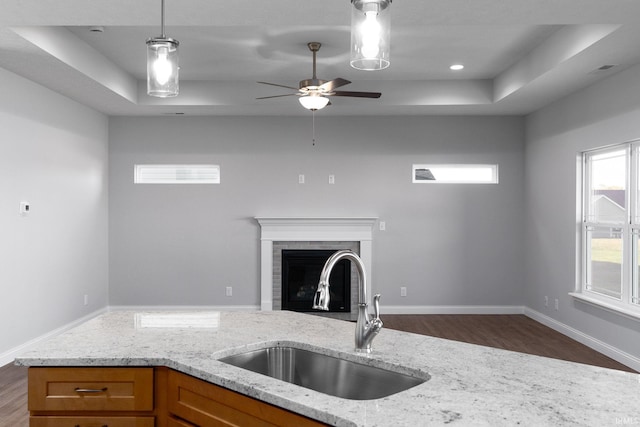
(468, 385)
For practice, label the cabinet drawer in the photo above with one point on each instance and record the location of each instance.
(91, 422)
(91, 389)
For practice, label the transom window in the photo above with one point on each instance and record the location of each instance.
(455, 174)
(611, 227)
(176, 174)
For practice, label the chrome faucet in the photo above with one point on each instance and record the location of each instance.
(366, 327)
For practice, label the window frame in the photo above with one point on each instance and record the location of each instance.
(194, 170)
(492, 168)
(630, 233)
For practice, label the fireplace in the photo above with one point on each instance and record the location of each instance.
(280, 248)
(301, 270)
(279, 233)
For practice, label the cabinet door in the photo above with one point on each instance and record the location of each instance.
(90, 389)
(91, 422)
(207, 404)
(175, 422)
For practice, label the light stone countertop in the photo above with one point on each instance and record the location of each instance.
(469, 385)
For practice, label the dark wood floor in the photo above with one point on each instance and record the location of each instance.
(510, 332)
(13, 396)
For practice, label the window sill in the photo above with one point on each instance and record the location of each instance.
(626, 312)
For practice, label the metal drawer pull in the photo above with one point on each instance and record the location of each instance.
(78, 425)
(90, 390)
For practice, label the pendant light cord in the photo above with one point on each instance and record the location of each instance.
(162, 19)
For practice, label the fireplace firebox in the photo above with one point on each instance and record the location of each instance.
(301, 270)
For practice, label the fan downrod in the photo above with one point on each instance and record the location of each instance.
(313, 82)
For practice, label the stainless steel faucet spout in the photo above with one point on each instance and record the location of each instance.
(366, 326)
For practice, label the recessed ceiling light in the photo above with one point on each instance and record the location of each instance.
(456, 67)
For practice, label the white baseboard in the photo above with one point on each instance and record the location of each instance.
(184, 308)
(608, 350)
(8, 356)
(452, 309)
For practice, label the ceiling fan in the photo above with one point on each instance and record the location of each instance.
(313, 92)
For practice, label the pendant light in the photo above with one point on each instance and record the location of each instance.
(162, 64)
(370, 34)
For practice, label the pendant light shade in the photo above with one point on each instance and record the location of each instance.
(314, 101)
(162, 64)
(162, 67)
(370, 34)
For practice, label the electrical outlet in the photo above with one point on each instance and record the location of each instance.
(403, 291)
(383, 226)
(301, 179)
(228, 291)
(332, 179)
(557, 304)
(24, 208)
(546, 301)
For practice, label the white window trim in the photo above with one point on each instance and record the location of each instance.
(199, 174)
(461, 166)
(607, 305)
(624, 306)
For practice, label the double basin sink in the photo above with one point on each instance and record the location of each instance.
(327, 374)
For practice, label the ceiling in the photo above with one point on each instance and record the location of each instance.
(519, 55)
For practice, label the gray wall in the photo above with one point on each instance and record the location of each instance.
(53, 153)
(448, 244)
(603, 114)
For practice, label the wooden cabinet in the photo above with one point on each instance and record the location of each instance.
(79, 421)
(176, 422)
(191, 400)
(91, 397)
(144, 397)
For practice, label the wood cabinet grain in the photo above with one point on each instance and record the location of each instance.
(91, 397)
(143, 397)
(206, 404)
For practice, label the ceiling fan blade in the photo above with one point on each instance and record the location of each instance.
(277, 96)
(274, 84)
(332, 84)
(357, 94)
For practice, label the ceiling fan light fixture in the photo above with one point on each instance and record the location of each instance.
(162, 64)
(370, 34)
(312, 93)
(314, 101)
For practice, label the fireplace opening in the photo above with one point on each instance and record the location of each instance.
(301, 270)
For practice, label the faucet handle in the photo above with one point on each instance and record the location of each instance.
(321, 299)
(376, 306)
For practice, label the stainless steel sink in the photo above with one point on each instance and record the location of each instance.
(326, 374)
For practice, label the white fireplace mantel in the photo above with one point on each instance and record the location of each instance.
(311, 230)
